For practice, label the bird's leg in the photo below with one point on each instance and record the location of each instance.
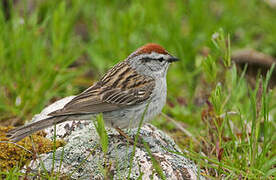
(122, 133)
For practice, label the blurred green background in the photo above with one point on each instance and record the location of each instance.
(52, 49)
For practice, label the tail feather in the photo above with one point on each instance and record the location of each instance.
(19, 133)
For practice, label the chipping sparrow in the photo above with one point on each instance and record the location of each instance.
(122, 94)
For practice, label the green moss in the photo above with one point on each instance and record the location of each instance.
(12, 155)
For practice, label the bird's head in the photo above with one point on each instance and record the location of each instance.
(151, 59)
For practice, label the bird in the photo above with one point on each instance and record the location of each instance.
(133, 89)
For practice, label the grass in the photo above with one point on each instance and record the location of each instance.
(58, 48)
(241, 145)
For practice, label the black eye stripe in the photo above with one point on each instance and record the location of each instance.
(145, 60)
(161, 59)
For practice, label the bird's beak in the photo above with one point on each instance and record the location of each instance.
(172, 59)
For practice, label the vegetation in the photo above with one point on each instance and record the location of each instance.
(52, 49)
(13, 157)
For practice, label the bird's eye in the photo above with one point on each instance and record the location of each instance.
(160, 59)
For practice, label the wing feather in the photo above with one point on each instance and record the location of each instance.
(109, 94)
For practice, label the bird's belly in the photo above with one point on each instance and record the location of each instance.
(131, 116)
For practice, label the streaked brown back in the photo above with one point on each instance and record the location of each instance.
(121, 86)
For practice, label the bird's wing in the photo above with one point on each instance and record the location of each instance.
(121, 86)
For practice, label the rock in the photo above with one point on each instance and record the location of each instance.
(253, 57)
(83, 158)
(257, 62)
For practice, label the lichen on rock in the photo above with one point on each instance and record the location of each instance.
(12, 155)
(82, 156)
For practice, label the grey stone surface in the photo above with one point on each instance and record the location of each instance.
(83, 158)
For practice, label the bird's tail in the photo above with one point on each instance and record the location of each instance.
(19, 133)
